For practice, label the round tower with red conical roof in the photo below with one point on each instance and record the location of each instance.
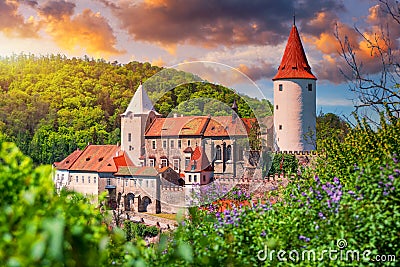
(294, 99)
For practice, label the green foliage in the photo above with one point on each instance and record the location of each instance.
(284, 163)
(41, 228)
(362, 144)
(135, 230)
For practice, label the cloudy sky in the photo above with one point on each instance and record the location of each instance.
(248, 35)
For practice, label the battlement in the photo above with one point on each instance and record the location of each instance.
(171, 187)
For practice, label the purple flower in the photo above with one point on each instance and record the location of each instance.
(336, 180)
(391, 177)
(351, 193)
(321, 215)
(303, 238)
(263, 233)
(385, 193)
(303, 194)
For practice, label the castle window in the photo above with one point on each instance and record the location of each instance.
(164, 144)
(280, 127)
(276, 107)
(187, 161)
(188, 142)
(179, 144)
(310, 87)
(195, 178)
(204, 178)
(88, 180)
(190, 178)
(172, 144)
(94, 180)
(228, 153)
(76, 179)
(108, 181)
(218, 153)
(126, 182)
(153, 144)
(83, 179)
(176, 164)
(164, 163)
(281, 87)
(129, 137)
(151, 162)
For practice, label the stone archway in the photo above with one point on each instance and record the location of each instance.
(129, 201)
(144, 203)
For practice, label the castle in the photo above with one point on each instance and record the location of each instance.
(158, 152)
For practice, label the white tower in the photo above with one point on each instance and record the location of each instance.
(134, 120)
(294, 99)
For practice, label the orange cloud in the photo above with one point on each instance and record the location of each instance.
(159, 62)
(87, 30)
(13, 24)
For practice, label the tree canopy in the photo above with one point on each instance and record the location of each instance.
(51, 105)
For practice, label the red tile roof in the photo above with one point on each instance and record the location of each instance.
(199, 161)
(180, 126)
(294, 64)
(123, 160)
(97, 158)
(224, 126)
(66, 163)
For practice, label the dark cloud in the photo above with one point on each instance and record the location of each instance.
(57, 9)
(214, 22)
(30, 3)
(13, 24)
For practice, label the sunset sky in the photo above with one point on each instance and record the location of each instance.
(249, 35)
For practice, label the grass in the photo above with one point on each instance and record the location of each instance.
(164, 215)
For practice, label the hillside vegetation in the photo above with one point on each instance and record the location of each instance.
(51, 105)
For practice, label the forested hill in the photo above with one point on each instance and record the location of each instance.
(51, 105)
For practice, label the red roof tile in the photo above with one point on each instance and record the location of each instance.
(199, 161)
(66, 163)
(294, 64)
(123, 160)
(97, 158)
(190, 125)
(224, 126)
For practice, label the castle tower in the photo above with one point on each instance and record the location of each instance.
(134, 121)
(294, 99)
